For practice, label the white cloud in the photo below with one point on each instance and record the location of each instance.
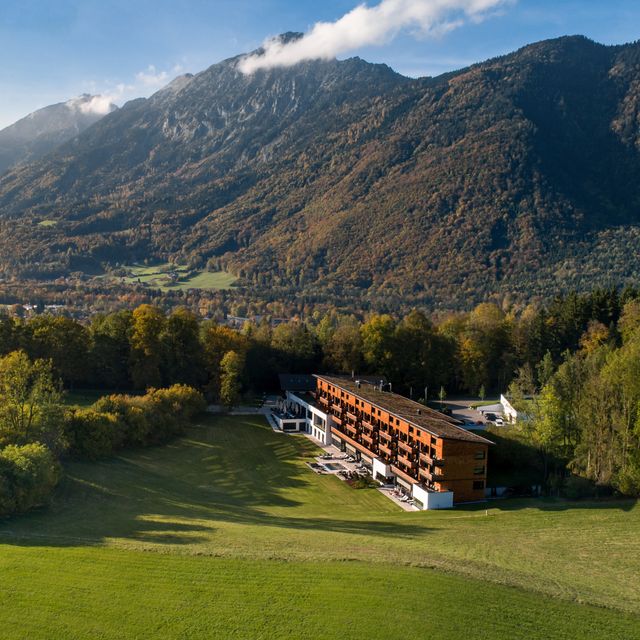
(100, 105)
(370, 26)
(143, 84)
(154, 78)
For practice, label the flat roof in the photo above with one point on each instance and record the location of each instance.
(296, 382)
(429, 420)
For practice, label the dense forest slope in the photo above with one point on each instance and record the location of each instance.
(45, 129)
(335, 179)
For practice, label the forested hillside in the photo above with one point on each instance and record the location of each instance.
(345, 181)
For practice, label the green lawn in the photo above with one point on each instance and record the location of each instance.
(226, 533)
(160, 277)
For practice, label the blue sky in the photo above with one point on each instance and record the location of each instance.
(56, 49)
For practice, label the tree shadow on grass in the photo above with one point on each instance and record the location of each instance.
(552, 504)
(227, 471)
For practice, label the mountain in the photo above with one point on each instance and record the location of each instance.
(345, 181)
(42, 131)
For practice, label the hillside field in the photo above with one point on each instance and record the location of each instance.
(226, 533)
(172, 277)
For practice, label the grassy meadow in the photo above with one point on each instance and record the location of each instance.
(227, 533)
(173, 277)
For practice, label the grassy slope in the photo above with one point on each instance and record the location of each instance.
(158, 277)
(267, 530)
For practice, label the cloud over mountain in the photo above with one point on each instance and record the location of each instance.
(369, 26)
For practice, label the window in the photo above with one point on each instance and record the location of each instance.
(479, 455)
(478, 471)
(410, 429)
(478, 485)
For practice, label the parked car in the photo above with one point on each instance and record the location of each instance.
(499, 422)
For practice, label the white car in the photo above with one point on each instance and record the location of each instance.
(499, 422)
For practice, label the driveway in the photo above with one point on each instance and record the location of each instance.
(460, 410)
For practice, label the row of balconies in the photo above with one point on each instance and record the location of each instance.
(410, 464)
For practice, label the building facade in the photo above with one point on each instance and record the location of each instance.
(425, 453)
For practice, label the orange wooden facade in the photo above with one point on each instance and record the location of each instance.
(419, 444)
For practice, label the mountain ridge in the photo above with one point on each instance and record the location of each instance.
(41, 131)
(346, 180)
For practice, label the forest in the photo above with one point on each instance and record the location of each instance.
(573, 363)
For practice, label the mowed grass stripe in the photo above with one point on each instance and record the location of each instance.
(107, 593)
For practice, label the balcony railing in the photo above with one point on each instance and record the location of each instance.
(367, 429)
(368, 439)
(382, 448)
(405, 446)
(432, 477)
(426, 458)
(350, 429)
(406, 462)
(351, 415)
(368, 424)
(386, 436)
(403, 474)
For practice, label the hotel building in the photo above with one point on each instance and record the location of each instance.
(427, 454)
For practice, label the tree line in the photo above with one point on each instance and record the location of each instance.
(37, 430)
(584, 417)
(578, 356)
(480, 350)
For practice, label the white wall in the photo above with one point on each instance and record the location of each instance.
(320, 433)
(433, 499)
(507, 408)
(381, 468)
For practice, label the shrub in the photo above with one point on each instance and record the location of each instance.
(28, 475)
(576, 487)
(93, 434)
(118, 421)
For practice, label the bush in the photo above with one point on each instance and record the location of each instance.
(576, 487)
(119, 421)
(28, 475)
(627, 480)
(93, 434)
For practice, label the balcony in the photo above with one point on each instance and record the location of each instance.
(406, 462)
(431, 477)
(367, 429)
(405, 446)
(349, 428)
(385, 450)
(337, 420)
(426, 474)
(403, 474)
(368, 424)
(352, 416)
(354, 443)
(368, 439)
(386, 436)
